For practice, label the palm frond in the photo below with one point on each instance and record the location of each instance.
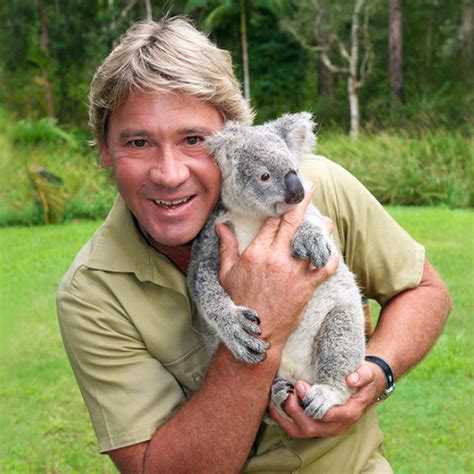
(48, 188)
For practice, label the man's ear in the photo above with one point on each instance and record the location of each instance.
(296, 130)
(104, 153)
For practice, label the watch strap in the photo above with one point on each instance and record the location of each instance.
(389, 377)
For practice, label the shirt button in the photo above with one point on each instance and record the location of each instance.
(197, 378)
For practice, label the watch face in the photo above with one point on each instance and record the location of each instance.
(386, 393)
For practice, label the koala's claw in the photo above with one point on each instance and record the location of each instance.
(312, 246)
(320, 398)
(249, 321)
(281, 390)
(320, 258)
(242, 341)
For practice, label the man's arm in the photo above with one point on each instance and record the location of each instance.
(408, 327)
(213, 429)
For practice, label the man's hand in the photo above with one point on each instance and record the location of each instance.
(369, 381)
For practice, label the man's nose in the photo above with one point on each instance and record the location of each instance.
(294, 191)
(168, 169)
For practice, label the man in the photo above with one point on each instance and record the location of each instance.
(157, 403)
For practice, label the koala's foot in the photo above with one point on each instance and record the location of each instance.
(313, 246)
(281, 390)
(320, 398)
(240, 333)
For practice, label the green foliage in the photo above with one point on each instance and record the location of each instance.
(42, 131)
(283, 76)
(428, 168)
(427, 422)
(41, 163)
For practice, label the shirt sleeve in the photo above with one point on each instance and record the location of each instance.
(384, 257)
(128, 393)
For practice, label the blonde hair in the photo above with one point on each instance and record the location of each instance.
(166, 56)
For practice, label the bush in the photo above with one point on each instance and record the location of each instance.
(60, 156)
(430, 168)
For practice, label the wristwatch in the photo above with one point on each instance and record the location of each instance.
(387, 370)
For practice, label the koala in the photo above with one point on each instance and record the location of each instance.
(260, 178)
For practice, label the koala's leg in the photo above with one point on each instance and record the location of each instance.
(311, 242)
(235, 326)
(281, 390)
(339, 350)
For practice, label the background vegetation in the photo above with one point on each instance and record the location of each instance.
(415, 147)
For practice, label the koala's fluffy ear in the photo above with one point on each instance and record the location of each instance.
(218, 143)
(296, 130)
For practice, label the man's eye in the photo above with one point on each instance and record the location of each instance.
(138, 143)
(193, 140)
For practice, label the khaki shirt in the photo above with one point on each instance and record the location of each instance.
(129, 326)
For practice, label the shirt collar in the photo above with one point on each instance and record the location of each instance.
(120, 247)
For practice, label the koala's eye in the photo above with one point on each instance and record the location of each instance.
(265, 177)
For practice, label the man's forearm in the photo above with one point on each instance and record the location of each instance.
(411, 322)
(215, 429)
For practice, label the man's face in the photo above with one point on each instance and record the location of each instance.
(168, 180)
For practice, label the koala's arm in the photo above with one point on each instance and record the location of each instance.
(235, 326)
(312, 242)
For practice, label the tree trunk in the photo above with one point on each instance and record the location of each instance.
(148, 11)
(44, 46)
(352, 81)
(325, 76)
(354, 108)
(395, 53)
(325, 79)
(245, 56)
(467, 36)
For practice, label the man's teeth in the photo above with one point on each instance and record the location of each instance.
(161, 202)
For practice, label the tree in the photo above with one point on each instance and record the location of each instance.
(245, 52)
(467, 38)
(217, 11)
(395, 54)
(355, 66)
(44, 47)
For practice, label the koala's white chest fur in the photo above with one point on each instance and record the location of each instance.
(245, 227)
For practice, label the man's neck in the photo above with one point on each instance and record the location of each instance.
(180, 255)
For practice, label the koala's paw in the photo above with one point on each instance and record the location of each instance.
(320, 398)
(315, 247)
(240, 336)
(281, 390)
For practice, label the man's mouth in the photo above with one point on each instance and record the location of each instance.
(172, 204)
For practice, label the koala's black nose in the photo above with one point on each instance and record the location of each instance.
(294, 191)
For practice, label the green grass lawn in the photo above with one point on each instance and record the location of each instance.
(45, 427)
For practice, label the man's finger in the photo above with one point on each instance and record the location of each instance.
(228, 248)
(328, 224)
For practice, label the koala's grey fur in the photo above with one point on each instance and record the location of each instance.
(329, 342)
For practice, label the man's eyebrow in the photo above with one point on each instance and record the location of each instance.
(128, 132)
(196, 130)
